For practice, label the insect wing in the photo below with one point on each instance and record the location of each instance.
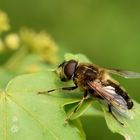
(124, 73)
(111, 97)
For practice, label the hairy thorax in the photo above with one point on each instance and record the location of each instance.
(84, 73)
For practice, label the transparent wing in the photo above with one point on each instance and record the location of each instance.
(111, 97)
(124, 73)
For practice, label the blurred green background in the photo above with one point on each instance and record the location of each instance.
(108, 32)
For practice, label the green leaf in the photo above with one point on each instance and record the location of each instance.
(83, 108)
(78, 57)
(28, 115)
(25, 114)
(131, 127)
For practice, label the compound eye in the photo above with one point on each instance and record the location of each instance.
(69, 68)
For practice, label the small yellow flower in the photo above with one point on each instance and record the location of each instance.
(12, 41)
(4, 22)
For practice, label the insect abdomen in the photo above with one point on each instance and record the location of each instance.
(122, 93)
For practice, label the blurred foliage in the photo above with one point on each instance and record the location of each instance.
(16, 47)
(106, 31)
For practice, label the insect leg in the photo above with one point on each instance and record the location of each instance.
(110, 110)
(77, 106)
(63, 88)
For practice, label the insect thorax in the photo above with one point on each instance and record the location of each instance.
(84, 73)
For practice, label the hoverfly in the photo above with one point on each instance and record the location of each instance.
(96, 82)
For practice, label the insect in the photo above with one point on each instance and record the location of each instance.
(96, 82)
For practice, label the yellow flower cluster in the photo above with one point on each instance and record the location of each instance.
(12, 40)
(40, 43)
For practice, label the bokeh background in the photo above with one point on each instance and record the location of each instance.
(108, 32)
